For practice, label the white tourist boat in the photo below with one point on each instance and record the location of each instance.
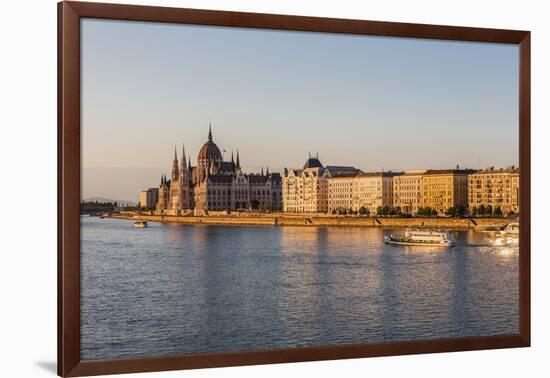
(421, 237)
(140, 224)
(506, 241)
(509, 237)
(512, 229)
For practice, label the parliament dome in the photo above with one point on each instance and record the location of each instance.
(210, 152)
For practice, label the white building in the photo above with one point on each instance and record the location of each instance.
(306, 189)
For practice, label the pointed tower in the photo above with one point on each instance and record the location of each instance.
(185, 197)
(183, 164)
(238, 161)
(262, 172)
(175, 169)
(210, 131)
(267, 171)
(163, 194)
(175, 192)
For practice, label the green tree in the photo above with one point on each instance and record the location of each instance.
(451, 211)
(489, 210)
(498, 211)
(333, 211)
(460, 211)
(433, 213)
(474, 211)
(362, 210)
(481, 210)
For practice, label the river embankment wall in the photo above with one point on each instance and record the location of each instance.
(323, 220)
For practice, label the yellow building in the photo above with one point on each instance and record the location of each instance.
(496, 188)
(515, 191)
(445, 188)
(407, 191)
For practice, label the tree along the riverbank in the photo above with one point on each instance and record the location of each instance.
(426, 212)
(490, 211)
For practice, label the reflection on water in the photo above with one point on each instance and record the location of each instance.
(173, 289)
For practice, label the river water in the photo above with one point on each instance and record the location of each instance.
(175, 289)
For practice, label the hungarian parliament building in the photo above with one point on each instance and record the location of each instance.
(213, 184)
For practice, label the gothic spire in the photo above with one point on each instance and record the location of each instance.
(183, 162)
(210, 132)
(262, 171)
(238, 160)
(175, 170)
(232, 160)
(267, 171)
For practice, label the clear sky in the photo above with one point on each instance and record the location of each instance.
(370, 102)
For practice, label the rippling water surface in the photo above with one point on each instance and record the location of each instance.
(174, 289)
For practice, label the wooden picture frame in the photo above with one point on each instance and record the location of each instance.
(69, 95)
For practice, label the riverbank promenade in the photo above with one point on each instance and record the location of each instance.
(284, 219)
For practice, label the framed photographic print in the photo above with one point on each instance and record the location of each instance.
(239, 188)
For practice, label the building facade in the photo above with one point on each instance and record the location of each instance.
(215, 185)
(340, 193)
(148, 199)
(368, 190)
(445, 188)
(496, 188)
(407, 191)
(373, 190)
(307, 189)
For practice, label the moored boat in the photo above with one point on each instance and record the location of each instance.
(140, 224)
(506, 241)
(512, 229)
(421, 237)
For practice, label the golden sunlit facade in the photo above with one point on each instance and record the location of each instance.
(496, 188)
(444, 189)
(306, 190)
(373, 190)
(340, 193)
(407, 191)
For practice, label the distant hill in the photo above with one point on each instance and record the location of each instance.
(119, 202)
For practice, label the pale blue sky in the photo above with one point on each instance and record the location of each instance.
(370, 102)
